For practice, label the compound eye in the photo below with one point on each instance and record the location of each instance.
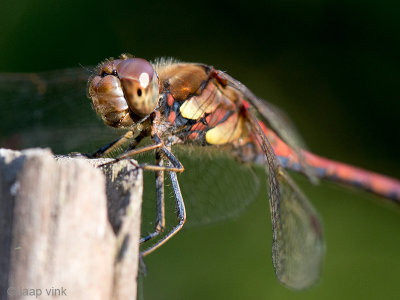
(140, 90)
(137, 69)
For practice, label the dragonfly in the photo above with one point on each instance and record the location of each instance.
(176, 106)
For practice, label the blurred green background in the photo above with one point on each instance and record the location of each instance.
(331, 65)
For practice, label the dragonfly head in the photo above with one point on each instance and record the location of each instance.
(124, 91)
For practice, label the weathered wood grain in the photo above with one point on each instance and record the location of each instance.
(67, 227)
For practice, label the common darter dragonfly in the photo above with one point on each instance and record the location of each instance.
(191, 110)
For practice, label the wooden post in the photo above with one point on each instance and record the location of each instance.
(67, 228)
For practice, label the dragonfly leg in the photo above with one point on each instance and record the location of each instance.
(181, 215)
(103, 151)
(134, 152)
(159, 169)
(175, 165)
(160, 218)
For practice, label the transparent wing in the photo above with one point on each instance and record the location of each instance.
(298, 249)
(215, 187)
(218, 187)
(50, 109)
(298, 245)
(277, 120)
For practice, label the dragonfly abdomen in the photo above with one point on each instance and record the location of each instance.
(333, 170)
(370, 181)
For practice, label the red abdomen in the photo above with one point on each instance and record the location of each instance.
(371, 181)
(336, 171)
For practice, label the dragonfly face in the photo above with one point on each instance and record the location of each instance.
(124, 90)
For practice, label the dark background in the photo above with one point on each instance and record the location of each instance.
(331, 65)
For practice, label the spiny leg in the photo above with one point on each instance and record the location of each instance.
(159, 169)
(159, 144)
(134, 152)
(160, 204)
(181, 215)
(103, 151)
(174, 166)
